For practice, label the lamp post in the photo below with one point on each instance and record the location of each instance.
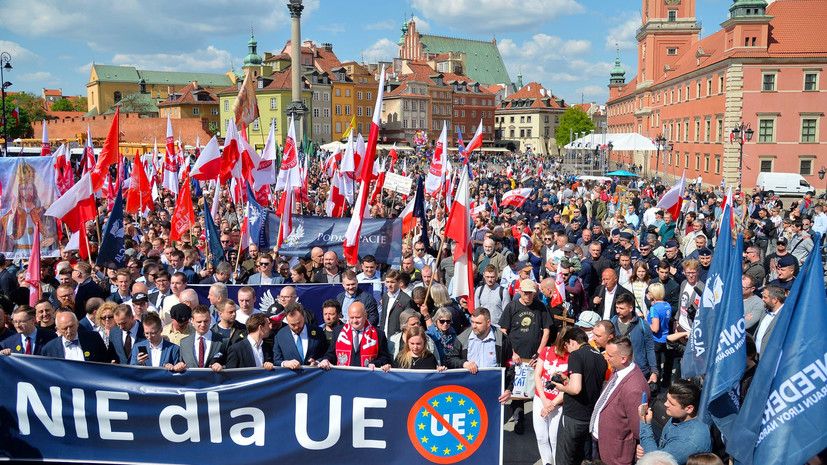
(5, 65)
(741, 134)
(660, 142)
(821, 173)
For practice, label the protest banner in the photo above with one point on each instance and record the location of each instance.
(398, 183)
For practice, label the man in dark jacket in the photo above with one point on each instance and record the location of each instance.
(352, 294)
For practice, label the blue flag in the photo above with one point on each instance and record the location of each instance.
(112, 246)
(727, 358)
(258, 217)
(783, 417)
(694, 361)
(213, 239)
(419, 212)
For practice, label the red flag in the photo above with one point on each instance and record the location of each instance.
(183, 218)
(45, 146)
(139, 194)
(351, 242)
(76, 206)
(64, 177)
(672, 200)
(394, 157)
(516, 198)
(33, 271)
(208, 164)
(458, 228)
(109, 153)
(335, 205)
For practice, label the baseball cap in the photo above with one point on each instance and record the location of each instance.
(528, 285)
(782, 241)
(626, 236)
(786, 260)
(140, 297)
(587, 319)
(704, 252)
(568, 247)
(671, 244)
(180, 312)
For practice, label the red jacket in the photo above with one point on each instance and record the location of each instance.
(620, 422)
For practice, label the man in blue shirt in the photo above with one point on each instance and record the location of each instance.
(684, 434)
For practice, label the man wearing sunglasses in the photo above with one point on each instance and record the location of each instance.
(265, 274)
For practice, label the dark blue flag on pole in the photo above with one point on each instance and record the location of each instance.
(701, 338)
(213, 239)
(419, 212)
(727, 357)
(258, 217)
(783, 417)
(112, 246)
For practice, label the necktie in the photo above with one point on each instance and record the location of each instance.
(127, 343)
(70, 343)
(202, 347)
(601, 402)
(300, 346)
(28, 345)
(356, 340)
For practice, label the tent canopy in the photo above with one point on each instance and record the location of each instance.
(622, 174)
(336, 145)
(625, 141)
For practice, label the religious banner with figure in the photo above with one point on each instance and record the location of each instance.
(27, 189)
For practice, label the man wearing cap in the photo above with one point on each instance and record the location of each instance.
(587, 320)
(705, 260)
(179, 327)
(528, 325)
(786, 269)
(674, 258)
(524, 271)
(126, 332)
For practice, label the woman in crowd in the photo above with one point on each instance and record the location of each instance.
(552, 363)
(639, 282)
(440, 330)
(105, 316)
(414, 354)
(658, 316)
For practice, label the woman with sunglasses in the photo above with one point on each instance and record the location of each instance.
(105, 317)
(441, 331)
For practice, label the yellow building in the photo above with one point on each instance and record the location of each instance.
(108, 84)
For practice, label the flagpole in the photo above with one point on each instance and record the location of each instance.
(438, 258)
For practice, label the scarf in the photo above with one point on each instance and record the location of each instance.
(368, 346)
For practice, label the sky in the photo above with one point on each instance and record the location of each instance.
(566, 45)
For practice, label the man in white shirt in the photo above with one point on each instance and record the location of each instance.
(71, 345)
(773, 297)
(370, 274)
(246, 304)
(421, 257)
(249, 353)
(819, 219)
(203, 348)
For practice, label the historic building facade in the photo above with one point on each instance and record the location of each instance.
(528, 119)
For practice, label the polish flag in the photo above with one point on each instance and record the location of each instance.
(245, 241)
(208, 164)
(516, 198)
(285, 211)
(475, 142)
(436, 174)
(302, 193)
(64, 177)
(216, 198)
(45, 146)
(349, 163)
(673, 199)
(78, 241)
(183, 218)
(458, 228)
(289, 172)
(379, 173)
(139, 194)
(359, 157)
(33, 270)
(727, 202)
(408, 220)
(76, 206)
(351, 242)
(231, 153)
(265, 172)
(109, 153)
(335, 204)
(332, 163)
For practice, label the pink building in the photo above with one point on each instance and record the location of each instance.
(764, 68)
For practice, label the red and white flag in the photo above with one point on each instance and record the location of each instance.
(379, 172)
(349, 163)
(359, 150)
(475, 142)
(727, 202)
(171, 165)
(332, 163)
(139, 194)
(76, 206)
(335, 205)
(78, 241)
(458, 228)
(672, 200)
(289, 173)
(351, 242)
(33, 270)
(231, 153)
(64, 177)
(45, 146)
(436, 173)
(409, 222)
(183, 218)
(109, 153)
(265, 172)
(208, 164)
(559, 288)
(285, 211)
(516, 197)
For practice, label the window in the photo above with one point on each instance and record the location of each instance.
(405, 123)
(698, 89)
(338, 110)
(709, 87)
(717, 164)
(720, 84)
(768, 82)
(347, 110)
(316, 96)
(317, 128)
(808, 129)
(338, 92)
(528, 132)
(511, 133)
(116, 96)
(810, 82)
(359, 95)
(522, 119)
(347, 92)
(214, 111)
(805, 167)
(316, 114)
(369, 95)
(368, 111)
(528, 119)
(708, 132)
(227, 105)
(326, 112)
(706, 162)
(720, 130)
(766, 130)
(196, 111)
(697, 129)
(359, 128)
(358, 111)
(272, 103)
(326, 96)
(766, 166)
(256, 125)
(338, 127)
(697, 162)
(673, 15)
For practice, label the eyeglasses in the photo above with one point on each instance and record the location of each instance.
(264, 264)
(107, 317)
(444, 322)
(225, 242)
(420, 250)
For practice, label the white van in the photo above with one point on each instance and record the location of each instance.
(789, 184)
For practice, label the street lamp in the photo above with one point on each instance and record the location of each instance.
(741, 134)
(5, 65)
(821, 173)
(662, 144)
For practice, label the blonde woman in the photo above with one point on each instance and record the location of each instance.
(414, 353)
(105, 316)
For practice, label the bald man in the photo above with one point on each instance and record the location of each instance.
(73, 345)
(358, 343)
(330, 272)
(603, 301)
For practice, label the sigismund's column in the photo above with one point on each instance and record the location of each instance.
(296, 108)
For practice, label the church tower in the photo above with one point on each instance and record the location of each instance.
(668, 29)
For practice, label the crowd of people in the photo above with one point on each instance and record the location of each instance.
(604, 383)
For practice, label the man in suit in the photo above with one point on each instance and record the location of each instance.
(203, 348)
(162, 282)
(394, 302)
(221, 274)
(125, 334)
(250, 353)
(298, 344)
(265, 273)
(86, 288)
(774, 298)
(230, 330)
(176, 265)
(155, 351)
(330, 272)
(358, 343)
(605, 295)
(353, 294)
(74, 345)
(615, 424)
(88, 322)
(29, 339)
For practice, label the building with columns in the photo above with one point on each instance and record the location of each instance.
(761, 68)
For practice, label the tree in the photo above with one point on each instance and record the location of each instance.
(81, 104)
(31, 109)
(574, 120)
(138, 103)
(63, 104)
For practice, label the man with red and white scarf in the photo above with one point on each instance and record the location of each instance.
(358, 343)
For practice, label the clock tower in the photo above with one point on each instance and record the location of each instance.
(668, 29)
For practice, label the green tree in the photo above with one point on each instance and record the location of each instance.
(63, 104)
(81, 104)
(574, 119)
(31, 109)
(137, 103)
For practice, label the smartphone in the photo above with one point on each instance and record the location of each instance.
(142, 350)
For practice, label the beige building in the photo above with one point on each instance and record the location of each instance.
(528, 119)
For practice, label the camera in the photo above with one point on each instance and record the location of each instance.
(557, 378)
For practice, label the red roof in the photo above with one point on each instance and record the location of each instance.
(52, 92)
(540, 97)
(191, 95)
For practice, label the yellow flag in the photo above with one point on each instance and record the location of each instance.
(350, 127)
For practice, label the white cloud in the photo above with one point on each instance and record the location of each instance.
(84, 69)
(387, 24)
(495, 15)
(38, 76)
(421, 24)
(17, 51)
(623, 35)
(383, 49)
(543, 47)
(334, 28)
(208, 59)
(594, 92)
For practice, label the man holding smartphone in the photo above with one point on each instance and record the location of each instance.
(156, 351)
